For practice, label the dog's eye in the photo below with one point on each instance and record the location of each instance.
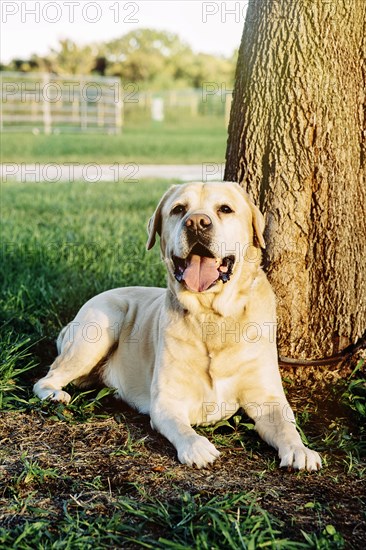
(225, 209)
(178, 209)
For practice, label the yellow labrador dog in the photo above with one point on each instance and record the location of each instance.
(196, 352)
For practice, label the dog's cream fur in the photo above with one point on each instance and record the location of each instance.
(189, 358)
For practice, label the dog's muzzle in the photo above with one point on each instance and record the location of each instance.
(201, 270)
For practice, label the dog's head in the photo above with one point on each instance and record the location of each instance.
(206, 234)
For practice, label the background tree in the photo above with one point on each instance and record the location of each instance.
(297, 140)
(160, 59)
(70, 58)
(145, 56)
(150, 58)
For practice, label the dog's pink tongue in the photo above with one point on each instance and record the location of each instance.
(200, 273)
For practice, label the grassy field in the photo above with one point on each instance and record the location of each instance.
(93, 474)
(151, 144)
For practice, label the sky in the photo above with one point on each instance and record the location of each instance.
(35, 26)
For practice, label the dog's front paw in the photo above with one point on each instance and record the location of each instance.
(197, 451)
(61, 396)
(51, 394)
(300, 458)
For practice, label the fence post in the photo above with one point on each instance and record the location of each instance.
(47, 116)
(100, 114)
(194, 104)
(84, 104)
(119, 109)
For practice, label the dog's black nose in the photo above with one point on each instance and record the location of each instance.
(198, 222)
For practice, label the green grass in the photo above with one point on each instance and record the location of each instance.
(149, 144)
(14, 351)
(62, 244)
(231, 522)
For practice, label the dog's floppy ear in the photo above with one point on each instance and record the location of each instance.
(258, 224)
(257, 218)
(155, 222)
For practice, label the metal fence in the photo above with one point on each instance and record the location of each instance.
(43, 102)
(186, 105)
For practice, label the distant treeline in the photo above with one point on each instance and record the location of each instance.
(153, 59)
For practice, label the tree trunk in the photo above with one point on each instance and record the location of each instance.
(297, 144)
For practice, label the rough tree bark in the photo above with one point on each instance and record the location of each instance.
(297, 144)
